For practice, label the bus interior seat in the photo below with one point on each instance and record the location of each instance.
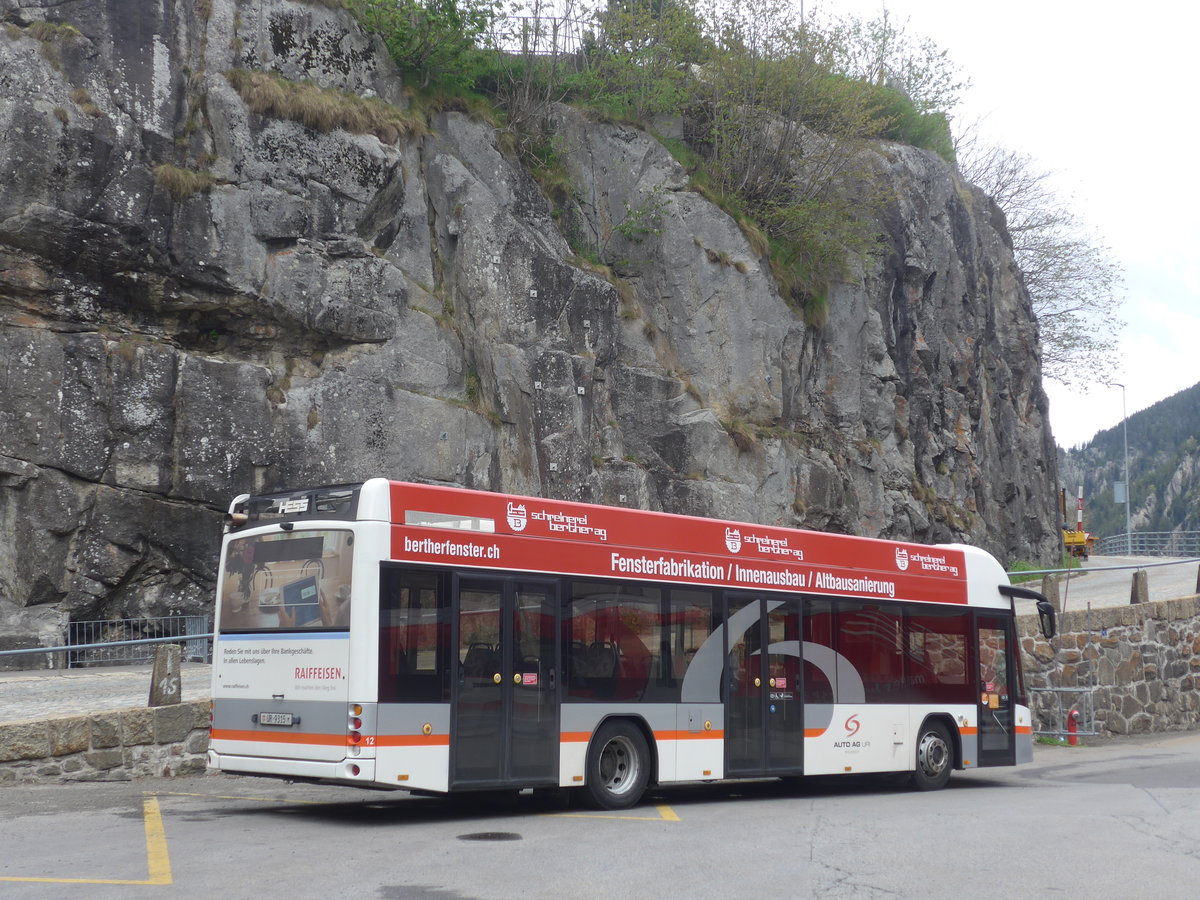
(481, 660)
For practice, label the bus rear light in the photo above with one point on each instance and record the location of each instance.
(354, 770)
(356, 723)
(356, 709)
(355, 737)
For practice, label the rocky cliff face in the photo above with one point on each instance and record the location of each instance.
(323, 307)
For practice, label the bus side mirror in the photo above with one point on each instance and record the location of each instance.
(1046, 616)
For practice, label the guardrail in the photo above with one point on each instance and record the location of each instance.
(1079, 570)
(1150, 543)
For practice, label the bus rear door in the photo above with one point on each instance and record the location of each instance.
(505, 711)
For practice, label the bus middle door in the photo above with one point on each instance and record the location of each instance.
(764, 721)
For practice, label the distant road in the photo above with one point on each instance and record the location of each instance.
(1111, 588)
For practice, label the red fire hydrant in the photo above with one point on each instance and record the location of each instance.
(1073, 728)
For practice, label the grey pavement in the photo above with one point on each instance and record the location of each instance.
(32, 696)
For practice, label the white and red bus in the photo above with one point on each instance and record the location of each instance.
(435, 639)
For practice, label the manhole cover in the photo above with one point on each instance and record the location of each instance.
(490, 836)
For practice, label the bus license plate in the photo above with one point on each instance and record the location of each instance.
(273, 718)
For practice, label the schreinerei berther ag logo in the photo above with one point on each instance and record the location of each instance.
(733, 539)
(517, 516)
(901, 559)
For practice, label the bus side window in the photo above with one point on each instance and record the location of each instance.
(414, 632)
(820, 684)
(937, 658)
(614, 637)
(690, 622)
(870, 637)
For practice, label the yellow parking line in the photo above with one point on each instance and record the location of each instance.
(665, 814)
(158, 863)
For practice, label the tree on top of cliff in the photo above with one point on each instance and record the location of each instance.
(1073, 280)
(775, 109)
(434, 38)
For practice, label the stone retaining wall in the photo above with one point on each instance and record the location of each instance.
(1144, 660)
(107, 746)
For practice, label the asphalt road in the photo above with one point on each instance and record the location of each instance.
(1117, 820)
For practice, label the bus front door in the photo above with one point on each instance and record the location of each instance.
(764, 712)
(505, 696)
(997, 741)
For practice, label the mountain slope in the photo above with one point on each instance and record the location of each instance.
(1164, 469)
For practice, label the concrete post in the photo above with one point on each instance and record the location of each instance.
(1139, 591)
(166, 683)
(1050, 590)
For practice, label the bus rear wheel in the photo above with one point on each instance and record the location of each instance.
(935, 757)
(618, 766)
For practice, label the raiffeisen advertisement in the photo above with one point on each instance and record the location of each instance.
(302, 666)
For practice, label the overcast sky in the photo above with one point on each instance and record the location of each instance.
(1104, 96)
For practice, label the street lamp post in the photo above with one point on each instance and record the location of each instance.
(1125, 431)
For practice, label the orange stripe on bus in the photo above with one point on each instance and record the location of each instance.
(967, 729)
(280, 737)
(412, 740)
(1024, 729)
(813, 732)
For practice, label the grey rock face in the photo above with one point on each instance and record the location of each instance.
(329, 307)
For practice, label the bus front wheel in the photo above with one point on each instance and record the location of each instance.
(935, 757)
(618, 766)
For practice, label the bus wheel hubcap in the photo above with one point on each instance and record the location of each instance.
(932, 754)
(618, 765)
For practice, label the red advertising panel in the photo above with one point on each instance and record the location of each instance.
(528, 534)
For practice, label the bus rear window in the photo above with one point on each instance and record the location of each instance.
(293, 580)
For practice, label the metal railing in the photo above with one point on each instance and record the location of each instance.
(124, 642)
(1049, 709)
(1150, 543)
(103, 643)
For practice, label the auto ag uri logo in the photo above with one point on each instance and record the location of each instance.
(517, 517)
(733, 539)
(852, 726)
(901, 559)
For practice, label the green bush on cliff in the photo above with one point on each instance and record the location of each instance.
(776, 109)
